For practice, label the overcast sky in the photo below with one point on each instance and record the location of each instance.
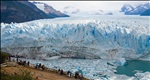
(91, 5)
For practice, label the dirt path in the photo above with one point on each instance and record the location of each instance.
(42, 75)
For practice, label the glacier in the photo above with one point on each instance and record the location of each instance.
(96, 37)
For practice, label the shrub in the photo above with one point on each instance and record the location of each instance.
(24, 75)
(4, 56)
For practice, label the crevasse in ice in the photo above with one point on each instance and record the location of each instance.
(82, 37)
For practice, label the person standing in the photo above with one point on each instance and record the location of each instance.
(70, 74)
(43, 67)
(61, 72)
(76, 75)
(17, 58)
(28, 63)
(39, 65)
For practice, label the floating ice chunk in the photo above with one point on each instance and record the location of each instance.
(54, 57)
(120, 62)
(143, 76)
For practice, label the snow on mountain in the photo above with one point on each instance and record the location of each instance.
(82, 37)
(40, 6)
(49, 10)
(135, 10)
(127, 7)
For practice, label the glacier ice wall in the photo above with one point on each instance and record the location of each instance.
(92, 37)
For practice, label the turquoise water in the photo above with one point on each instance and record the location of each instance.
(133, 65)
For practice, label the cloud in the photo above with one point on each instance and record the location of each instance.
(91, 5)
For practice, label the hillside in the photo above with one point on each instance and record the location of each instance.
(20, 11)
(12, 68)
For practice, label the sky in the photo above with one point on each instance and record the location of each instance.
(91, 5)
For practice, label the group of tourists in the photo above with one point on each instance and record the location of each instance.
(40, 66)
(37, 66)
(76, 75)
(70, 74)
(23, 63)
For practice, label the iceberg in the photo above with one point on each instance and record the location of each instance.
(143, 76)
(121, 61)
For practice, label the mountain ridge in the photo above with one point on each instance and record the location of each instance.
(23, 11)
(49, 10)
(18, 11)
(135, 10)
(146, 13)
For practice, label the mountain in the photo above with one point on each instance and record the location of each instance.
(84, 37)
(146, 13)
(49, 10)
(127, 8)
(135, 10)
(20, 11)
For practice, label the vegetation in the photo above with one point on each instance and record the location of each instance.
(4, 56)
(23, 75)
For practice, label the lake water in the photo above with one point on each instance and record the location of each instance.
(133, 65)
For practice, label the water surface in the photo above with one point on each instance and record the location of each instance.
(132, 66)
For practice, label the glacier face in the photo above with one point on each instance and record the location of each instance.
(79, 37)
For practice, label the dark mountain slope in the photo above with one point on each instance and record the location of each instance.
(146, 13)
(20, 11)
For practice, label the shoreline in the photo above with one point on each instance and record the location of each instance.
(48, 70)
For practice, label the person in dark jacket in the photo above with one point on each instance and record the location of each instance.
(61, 72)
(39, 65)
(76, 75)
(42, 67)
(69, 73)
(28, 63)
